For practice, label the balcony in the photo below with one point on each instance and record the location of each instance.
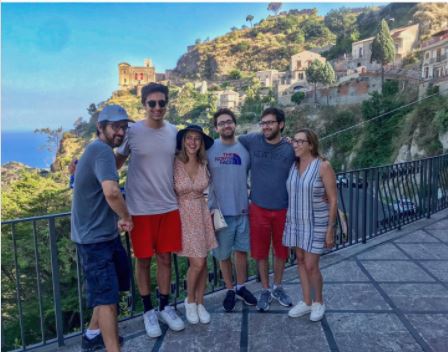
(42, 287)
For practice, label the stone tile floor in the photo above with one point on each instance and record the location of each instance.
(390, 294)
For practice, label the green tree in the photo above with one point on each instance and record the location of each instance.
(328, 76)
(314, 74)
(298, 97)
(235, 74)
(274, 7)
(249, 18)
(383, 48)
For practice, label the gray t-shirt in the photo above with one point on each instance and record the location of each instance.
(269, 170)
(229, 166)
(149, 184)
(92, 219)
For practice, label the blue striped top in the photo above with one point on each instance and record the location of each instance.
(307, 217)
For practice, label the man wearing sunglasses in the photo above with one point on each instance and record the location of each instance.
(151, 145)
(271, 158)
(98, 213)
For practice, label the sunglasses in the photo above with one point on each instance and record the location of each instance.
(116, 127)
(153, 103)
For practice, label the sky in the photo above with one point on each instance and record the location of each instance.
(58, 58)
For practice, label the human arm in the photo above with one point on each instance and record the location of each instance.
(122, 152)
(329, 181)
(244, 139)
(116, 201)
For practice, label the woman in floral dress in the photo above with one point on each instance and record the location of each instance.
(191, 178)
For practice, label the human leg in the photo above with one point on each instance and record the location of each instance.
(107, 319)
(97, 261)
(241, 267)
(316, 283)
(314, 275)
(303, 274)
(302, 307)
(194, 277)
(260, 240)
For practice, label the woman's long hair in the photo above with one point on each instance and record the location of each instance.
(201, 156)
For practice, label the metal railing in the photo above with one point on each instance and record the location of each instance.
(42, 285)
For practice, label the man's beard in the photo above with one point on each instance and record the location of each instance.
(272, 135)
(228, 136)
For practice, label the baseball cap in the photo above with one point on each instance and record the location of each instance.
(113, 113)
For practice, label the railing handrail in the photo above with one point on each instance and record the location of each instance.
(34, 218)
(56, 215)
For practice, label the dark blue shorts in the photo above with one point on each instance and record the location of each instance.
(106, 271)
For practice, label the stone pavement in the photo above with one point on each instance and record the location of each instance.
(390, 294)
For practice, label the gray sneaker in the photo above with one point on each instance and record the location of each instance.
(264, 301)
(281, 296)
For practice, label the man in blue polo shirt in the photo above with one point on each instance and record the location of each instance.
(98, 213)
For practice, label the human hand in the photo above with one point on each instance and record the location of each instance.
(287, 139)
(329, 239)
(125, 224)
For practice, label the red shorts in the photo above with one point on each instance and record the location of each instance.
(159, 233)
(267, 225)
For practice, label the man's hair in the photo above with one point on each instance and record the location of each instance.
(102, 125)
(154, 88)
(223, 111)
(278, 113)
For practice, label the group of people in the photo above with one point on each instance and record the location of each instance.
(291, 204)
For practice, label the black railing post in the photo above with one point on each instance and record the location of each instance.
(18, 288)
(176, 278)
(364, 207)
(429, 193)
(133, 294)
(56, 283)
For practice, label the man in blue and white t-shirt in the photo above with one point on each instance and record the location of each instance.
(229, 163)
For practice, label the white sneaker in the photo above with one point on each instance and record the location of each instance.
(317, 311)
(151, 322)
(191, 312)
(204, 316)
(300, 309)
(169, 316)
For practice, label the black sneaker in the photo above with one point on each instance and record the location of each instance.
(229, 301)
(246, 296)
(96, 343)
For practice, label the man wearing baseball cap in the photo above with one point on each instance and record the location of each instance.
(99, 212)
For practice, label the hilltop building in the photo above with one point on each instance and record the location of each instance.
(435, 56)
(228, 99)
(285, 84)
(130, 77)
(300, 62)
(405, 40)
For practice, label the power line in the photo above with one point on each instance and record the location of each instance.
(377, 117)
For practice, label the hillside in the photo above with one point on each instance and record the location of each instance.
(418, 131)
(270, 43)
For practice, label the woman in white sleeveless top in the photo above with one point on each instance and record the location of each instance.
(311, 219)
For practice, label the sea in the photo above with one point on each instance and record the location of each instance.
(26, 147)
